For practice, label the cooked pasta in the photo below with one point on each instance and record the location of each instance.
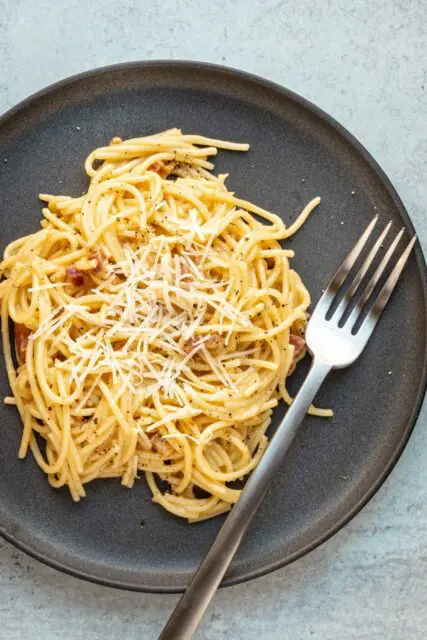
(156, 320)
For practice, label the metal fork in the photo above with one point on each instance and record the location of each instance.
(335, 339)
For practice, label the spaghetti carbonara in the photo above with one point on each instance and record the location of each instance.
(156, 319)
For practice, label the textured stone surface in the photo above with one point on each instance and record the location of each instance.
(363, 62)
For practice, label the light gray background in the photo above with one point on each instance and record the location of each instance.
(365, 63)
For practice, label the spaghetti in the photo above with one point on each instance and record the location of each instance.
(156, 320)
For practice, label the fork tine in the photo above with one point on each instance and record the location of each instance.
(374, 280)
(342, 272)
(377, 308)
(349, 261)
(360, 274)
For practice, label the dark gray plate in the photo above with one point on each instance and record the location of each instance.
(297, 152)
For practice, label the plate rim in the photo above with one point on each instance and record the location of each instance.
(305, 104)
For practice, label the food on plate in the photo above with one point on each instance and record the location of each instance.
(156, 320)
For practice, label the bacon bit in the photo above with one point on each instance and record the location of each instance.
(299, 350)
(75, 276)
(189, 345)
(164, 169)
(270, 262)
(94, 264)
(299, 343)
(22, 333)
(214, 340)
(99, 257)
(161, 445)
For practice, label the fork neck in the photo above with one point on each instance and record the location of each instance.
(302, 402)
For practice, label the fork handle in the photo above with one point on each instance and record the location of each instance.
(190, 609)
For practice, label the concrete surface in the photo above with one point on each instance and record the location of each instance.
(365, 63)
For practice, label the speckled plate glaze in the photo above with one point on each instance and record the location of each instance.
(116, 536)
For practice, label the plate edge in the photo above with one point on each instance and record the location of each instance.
(344, 132)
